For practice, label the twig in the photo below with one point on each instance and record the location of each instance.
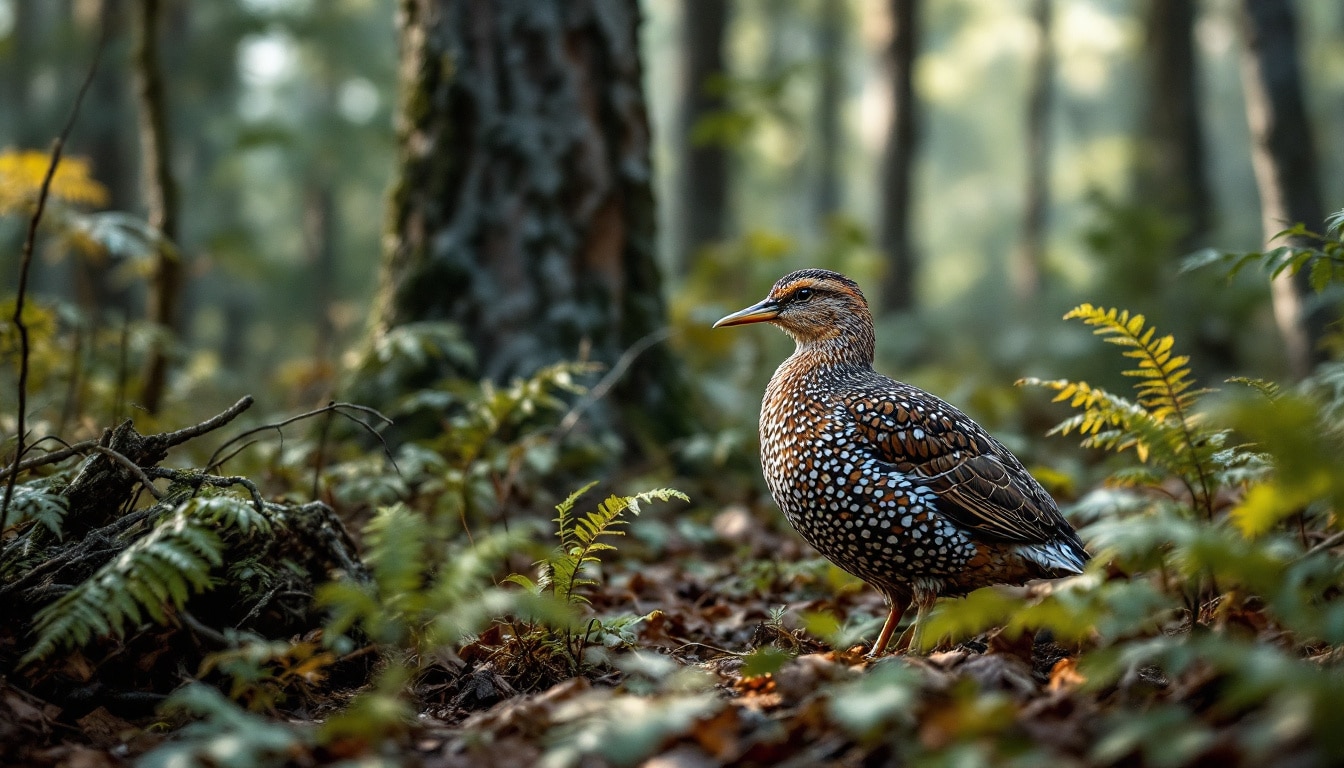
(1324, 545)
(197, 479)
(329, 408)
(321, 457)
(608, 381)
(132, 467)
(171, 439)
(168, 439)
(25, 264)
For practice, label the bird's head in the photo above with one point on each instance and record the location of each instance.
(814, 306)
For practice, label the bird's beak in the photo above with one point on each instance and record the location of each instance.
(757, 313)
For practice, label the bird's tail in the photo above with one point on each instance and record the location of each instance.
(1058, 557)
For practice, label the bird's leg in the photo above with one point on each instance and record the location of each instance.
(898, 607)
(924, 600)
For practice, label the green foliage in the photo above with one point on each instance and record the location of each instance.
(32, 502)
(1320, 255)
(1160, 424)
(152, 577)
(562, 573)
(492, 443)
(226, 736)
(424, 592)
(581, 540)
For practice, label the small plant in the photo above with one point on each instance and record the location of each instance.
(1160, 424)
(564, 573)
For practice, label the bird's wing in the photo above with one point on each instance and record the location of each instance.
(982, 487)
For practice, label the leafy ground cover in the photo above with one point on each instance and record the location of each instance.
(441, 605)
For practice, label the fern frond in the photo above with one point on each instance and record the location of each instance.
(562, 519)
(580, 539)
(161, 569)
(1160, 423)
(231, 512)
(35, 503)
(396, 552)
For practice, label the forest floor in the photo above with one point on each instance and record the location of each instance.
(717, 610)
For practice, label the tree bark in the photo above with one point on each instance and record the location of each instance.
(1170, 172)
(830, 97)
(523, 209)
(1029, 256)
(161, 200)
(1284, 160)
(898, 293)
(703, 177)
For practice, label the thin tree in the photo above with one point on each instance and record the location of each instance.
(831, 28)
(161, 200)
(898, 160)
(1284, 160)
(702, 191)
(1170, 169)
(523, 209)
(1029, 256)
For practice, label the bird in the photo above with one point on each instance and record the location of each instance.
(887, 481)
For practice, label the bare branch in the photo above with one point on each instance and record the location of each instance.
(25, 263)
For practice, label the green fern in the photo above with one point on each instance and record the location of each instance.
(161, 569)
(152, 577)
(580, 537)
(1160, 424)
(38, 504)
(581, 541)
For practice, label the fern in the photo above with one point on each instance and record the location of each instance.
(37, 504)
(1160, 424)
(581, 539)
(161, 569)
(151, 577)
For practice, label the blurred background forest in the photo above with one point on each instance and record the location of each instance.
(979, 176)
(509, 225)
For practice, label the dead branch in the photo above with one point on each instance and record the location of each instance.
(166, 439)
(334, 408)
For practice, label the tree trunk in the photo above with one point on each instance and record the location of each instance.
(898, 293)
(160, 192)
(319, 236)
(830, 98)
(703, 176)
(1029, 256)
(523, 209)
(110, 144)
(1170, 173)
(1285, 167)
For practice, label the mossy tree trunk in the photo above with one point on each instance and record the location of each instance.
(522, 209)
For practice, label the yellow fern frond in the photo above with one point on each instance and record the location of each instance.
(1160, 422)
(21, 174)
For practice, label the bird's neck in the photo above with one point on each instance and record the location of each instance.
(852, 347)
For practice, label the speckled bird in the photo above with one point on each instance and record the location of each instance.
(889, 482)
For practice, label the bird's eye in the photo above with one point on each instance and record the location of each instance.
(802, 294)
